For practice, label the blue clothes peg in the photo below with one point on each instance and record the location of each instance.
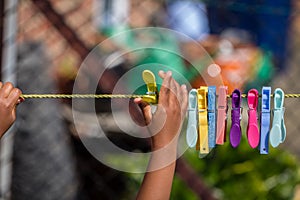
(265, 120)
(211, 116)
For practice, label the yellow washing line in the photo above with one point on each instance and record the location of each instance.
(286, 96)
(79, 96)
(108, 96)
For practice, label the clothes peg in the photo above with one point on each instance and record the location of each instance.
(222, 115)
(203, 123)
(211, 116)
(152, 93)
(252, 129)
(192, 127)
(278, 130)
(265, 120)
(235, 130)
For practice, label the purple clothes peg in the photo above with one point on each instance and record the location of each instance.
(236, 131)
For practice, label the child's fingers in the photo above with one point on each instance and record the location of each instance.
(14, 113)
(184, 103)
(1, 84)
(13, 96)
(20, 100)
(179, 92)
(175, 93)
(165, 87)
(140, 102)
(146, 108)
(162, 74)
(173, 88)
(6, 89)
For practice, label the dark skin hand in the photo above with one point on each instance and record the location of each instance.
(9, 99)
(165, 126)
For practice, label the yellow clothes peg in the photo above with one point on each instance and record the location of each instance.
(203, 122)
(152, 92)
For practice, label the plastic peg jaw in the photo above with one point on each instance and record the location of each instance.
(152, 92)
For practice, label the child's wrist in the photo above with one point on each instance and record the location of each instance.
(163, 154)
(159, 142)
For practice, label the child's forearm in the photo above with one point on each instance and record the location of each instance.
(157, 183)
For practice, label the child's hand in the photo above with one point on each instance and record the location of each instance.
(165, 124)
(9, 98)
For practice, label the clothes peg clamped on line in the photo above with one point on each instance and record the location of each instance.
(211, 116)
(222, 115)
(265, 120)
(252, 128)
(192, 127)
(203, 123)
(235, 135)
(278, 130)
(152, 92)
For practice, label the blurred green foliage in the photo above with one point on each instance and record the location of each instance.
(240, 173)
(243, 173)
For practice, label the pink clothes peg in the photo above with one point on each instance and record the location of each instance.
(252, 128)
(222, 115)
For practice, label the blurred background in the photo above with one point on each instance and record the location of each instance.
(254, 43)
